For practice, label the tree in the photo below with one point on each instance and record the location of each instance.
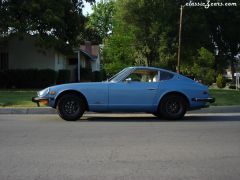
(151, 29)
(142, 34)
(101, 18)
(154, 26)
(56, 24)
(90, 34)
(224, 24)
(203, 67)
(118, 51)
(154, 22)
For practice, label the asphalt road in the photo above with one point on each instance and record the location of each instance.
(120, 147)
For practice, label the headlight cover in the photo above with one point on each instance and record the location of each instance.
(43, 92)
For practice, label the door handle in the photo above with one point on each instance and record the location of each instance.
(151, 89)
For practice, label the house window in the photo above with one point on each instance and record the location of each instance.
(3, 61)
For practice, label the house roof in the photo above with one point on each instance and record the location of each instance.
(87, 55)
(91, 57)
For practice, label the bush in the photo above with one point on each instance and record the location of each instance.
(96, 76)
(27, 78)
(86, 75)
(34, 78)
(221, 83)
(18, 78)
(203, 74)
(3, 79)
(46, 77)
(232, 86)
(63, 76)
(201, 67)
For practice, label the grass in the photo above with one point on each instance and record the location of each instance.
(225, 97)
(17, 98)
(22, 98)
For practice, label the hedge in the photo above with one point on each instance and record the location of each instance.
(27, 78)
(35, 78)
(63, 76)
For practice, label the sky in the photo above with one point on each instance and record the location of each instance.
(87, 8)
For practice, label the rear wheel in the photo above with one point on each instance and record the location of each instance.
(70, 107)
(173, 107)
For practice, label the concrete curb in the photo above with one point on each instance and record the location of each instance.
(48, 110)
(27, 111)
(217, 109)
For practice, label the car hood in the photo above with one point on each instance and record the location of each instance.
(77, 85)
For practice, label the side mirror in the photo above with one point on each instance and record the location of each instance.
(128, 80)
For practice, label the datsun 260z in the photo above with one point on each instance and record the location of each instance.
(135, 89)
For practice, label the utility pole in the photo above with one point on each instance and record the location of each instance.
(179, 39)
(79, 66)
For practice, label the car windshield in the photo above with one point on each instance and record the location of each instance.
(117, 77)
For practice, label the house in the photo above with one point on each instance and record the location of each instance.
(228, 71)
(23, 53)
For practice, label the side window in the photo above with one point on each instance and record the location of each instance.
(165, 75)
(141, 75)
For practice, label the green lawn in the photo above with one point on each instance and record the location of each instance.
(225, 97)
(17, 98)
(22, 98)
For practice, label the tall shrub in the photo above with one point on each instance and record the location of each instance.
(221, 83)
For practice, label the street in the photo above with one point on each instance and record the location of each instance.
(120, 147)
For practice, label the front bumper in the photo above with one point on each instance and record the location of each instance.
(210, 99)
(39, 100)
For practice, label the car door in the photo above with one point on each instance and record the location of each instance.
(136, 92)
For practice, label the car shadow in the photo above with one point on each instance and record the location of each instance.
(147, 118)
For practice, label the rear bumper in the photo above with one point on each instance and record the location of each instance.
(39, 100)
(210, 99)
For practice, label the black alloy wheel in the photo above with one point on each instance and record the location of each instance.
(70, 107)
(173, 107)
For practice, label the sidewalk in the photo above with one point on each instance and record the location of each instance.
(47, 110)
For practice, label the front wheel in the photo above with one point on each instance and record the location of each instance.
(70, 107)
(173, 107)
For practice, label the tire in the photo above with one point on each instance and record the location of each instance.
(70, 107)
(173, 107)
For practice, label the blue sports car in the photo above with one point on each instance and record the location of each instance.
(134, 89)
